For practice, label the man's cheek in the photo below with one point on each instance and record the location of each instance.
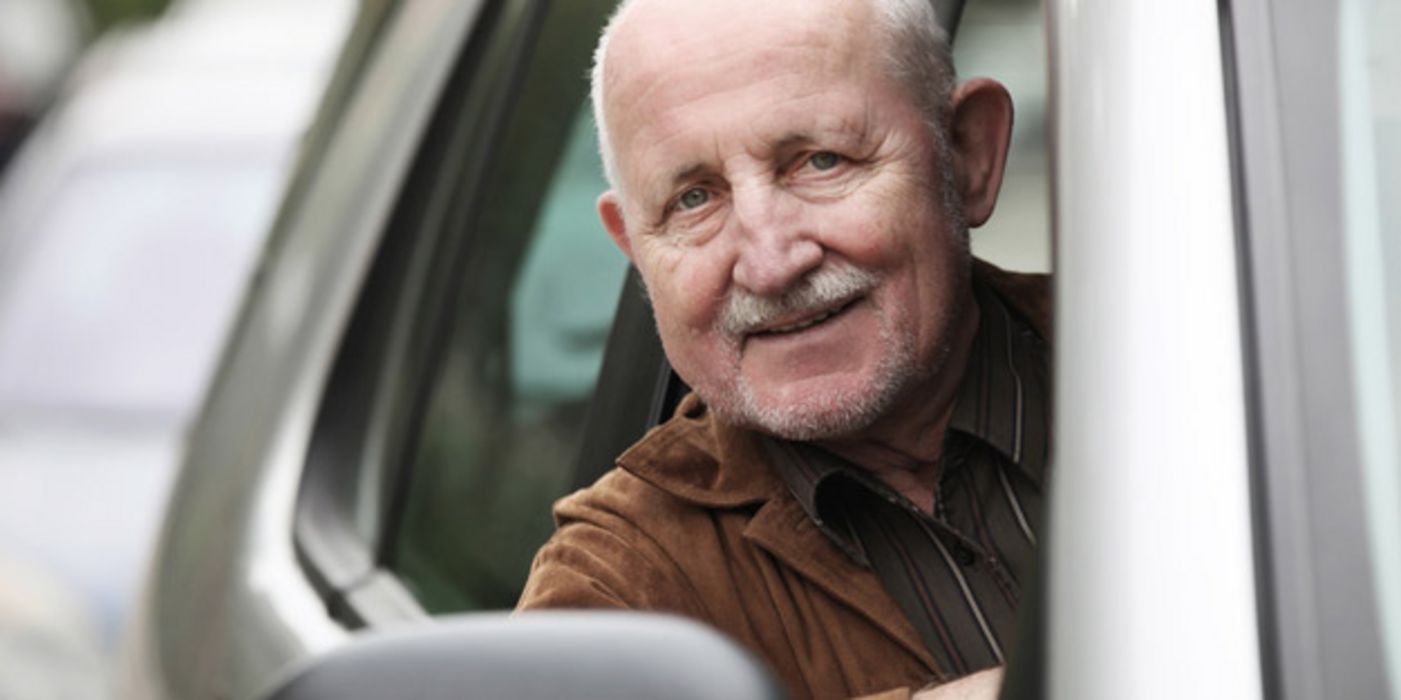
(659, 260)
(693, 292)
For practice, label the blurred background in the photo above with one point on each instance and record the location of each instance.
(144, 146)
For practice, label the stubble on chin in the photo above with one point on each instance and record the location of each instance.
(828, 414)
(843, 412)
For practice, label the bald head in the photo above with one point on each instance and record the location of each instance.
(904, 34)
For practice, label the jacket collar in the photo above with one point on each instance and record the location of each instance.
(702, 461)
(698, 459)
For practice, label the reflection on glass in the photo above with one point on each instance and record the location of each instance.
(561, 307)
(508, 404)
(1371, 106)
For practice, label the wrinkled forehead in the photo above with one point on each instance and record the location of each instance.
(669, 50)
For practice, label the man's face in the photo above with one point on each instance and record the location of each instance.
(786, 205)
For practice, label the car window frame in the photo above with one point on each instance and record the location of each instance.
(343, 552)
(535, 142)
(351, 490)
(1298, 384)
(1147, 291)
(1307, 472)
(366, 409)
(361, 460)
(228, 604)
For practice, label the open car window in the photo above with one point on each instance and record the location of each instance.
(466, 394)
(510, 397)
(459, 390)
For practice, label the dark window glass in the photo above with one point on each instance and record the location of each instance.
(507, 407)
(503, 419)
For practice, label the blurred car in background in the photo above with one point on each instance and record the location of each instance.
(130, 223)
(39, 39)
(48, 640)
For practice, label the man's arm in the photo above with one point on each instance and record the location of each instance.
(585, 566)
(602, 556)
(982, 685)
(606, 554)
(568, 573)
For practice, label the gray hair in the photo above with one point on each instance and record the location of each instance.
(918, 53)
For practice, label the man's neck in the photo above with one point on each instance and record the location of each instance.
(903, 448)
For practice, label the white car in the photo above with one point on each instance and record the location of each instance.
(437, 348)
(130, 225)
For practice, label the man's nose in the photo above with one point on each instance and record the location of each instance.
(777, 247)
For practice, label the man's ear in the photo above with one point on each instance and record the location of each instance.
(980, 133)
(610, 210)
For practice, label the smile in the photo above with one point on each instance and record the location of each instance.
(807, 322)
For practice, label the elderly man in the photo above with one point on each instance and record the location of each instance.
(853, 489)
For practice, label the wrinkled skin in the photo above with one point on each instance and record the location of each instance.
(762, 145)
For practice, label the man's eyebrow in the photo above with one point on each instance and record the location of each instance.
(846, 131)
(686, 173)
(792, 140)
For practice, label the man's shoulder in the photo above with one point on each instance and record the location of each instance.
(1028, 293)
(618, 491)
(651, 530)
(622, 542)
(694, 459)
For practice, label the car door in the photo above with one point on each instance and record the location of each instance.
(1223, 521)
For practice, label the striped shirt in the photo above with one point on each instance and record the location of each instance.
(958, 573)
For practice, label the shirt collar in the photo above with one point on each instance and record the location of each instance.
(1004, 397)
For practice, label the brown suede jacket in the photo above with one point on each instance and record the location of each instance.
(694, 521)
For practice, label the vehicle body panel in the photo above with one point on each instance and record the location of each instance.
(1157, 548)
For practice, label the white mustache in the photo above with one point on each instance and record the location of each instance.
(829, 285)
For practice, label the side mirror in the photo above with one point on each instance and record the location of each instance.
(618, 655)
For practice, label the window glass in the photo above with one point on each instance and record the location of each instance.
(562, 302)
(1371, 104)
(507, 409)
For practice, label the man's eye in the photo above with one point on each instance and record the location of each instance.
(693, 198)
(824, 160)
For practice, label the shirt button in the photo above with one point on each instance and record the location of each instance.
(963, 556)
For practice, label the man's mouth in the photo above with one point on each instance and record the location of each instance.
(807, 322)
